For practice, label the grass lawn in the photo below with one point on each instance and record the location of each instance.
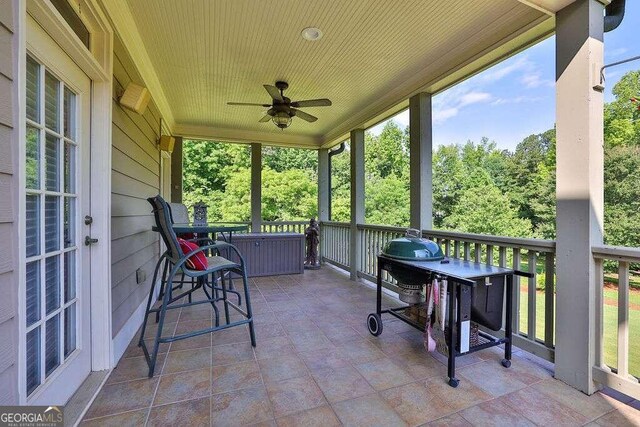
(610, 326)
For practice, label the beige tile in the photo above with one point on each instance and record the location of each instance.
(322, 416)
(383, 373)
(127, 419)
(240, 407)
(341, 383)
(294, 395)
(191, 412)
(327, 358)
(226, 378)
(197, 312)
(463, 396)
(361, 351)
(415, 404)
(542, 410)
(341, 333)
(368, 410)
(273, 347)
(625, 416)
(591, 407)
(454, 420)
(231, 353)
(282, 367)
(201, 341)
(394, 345)
(492, 377)
(187, 360)
(183, 386)
(232, 335)
(421, 366)
(310, 341)
(133, 368)
(134, 351)
(268, 330)
(495, 413)
(123, 397)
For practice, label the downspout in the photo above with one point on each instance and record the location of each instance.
(614, 13)
(332, 153)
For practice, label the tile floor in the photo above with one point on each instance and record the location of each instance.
(316, 364)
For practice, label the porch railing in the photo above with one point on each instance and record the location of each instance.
(534, 301)
(284, 226)
(334, 243)
(613, 369)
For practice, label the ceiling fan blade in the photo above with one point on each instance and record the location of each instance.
(304, 116)
(324, 102)
(274, 92)
(249, 103)
(265, 119)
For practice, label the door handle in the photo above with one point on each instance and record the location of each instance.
(88, 241)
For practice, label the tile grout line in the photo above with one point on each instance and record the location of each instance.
(164, 363)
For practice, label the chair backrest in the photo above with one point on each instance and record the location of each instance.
(179, 213)
(162, 214)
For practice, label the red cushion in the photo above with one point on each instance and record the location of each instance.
(197, 261)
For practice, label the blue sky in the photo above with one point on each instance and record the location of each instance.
(516, 98)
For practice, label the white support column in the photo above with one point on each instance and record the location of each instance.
(256, 188)
(579, 188)
(323, 184)
(357, 199)
(420, 147)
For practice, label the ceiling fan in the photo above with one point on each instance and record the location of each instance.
(282, 109)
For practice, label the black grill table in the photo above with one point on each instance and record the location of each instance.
(463, 278)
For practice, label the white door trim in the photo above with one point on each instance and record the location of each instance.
(97, 64)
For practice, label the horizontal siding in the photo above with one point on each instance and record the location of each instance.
(127, 246)
(6, 101)
(8, 307)
(8, 210)
(135, 176)
(6, 52)
(6, 159)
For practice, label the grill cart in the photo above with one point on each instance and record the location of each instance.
(475, 293)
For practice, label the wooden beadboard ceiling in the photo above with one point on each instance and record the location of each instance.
(373, 54)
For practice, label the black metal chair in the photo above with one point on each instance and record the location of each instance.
(205, 279)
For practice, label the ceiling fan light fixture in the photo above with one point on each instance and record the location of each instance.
(281, 119)
(311, 34)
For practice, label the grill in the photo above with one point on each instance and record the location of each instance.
(412, 247)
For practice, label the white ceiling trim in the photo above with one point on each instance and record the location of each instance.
(246, 136)
(120, 14)
(398, 99)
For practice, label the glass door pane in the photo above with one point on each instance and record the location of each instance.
(51, 223)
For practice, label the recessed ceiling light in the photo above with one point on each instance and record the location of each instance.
(311, 34)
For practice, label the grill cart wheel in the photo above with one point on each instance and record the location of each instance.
(374, 322)
(453, 382)
(506, 363)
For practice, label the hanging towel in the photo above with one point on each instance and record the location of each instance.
(432, 295)
(438, 329)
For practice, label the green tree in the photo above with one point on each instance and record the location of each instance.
(621, 121)
(484, 209)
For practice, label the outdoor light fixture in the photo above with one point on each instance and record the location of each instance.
(281, 119)
(311, 34)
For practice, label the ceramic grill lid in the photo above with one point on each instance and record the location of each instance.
(412, 247)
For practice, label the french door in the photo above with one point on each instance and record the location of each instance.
(56, 339)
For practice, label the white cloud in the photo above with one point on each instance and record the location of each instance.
(534, 79)
(441, 116)
(517, 100)
(473, 98)
(502, 71)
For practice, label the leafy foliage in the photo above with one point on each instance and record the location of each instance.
(477, 187)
